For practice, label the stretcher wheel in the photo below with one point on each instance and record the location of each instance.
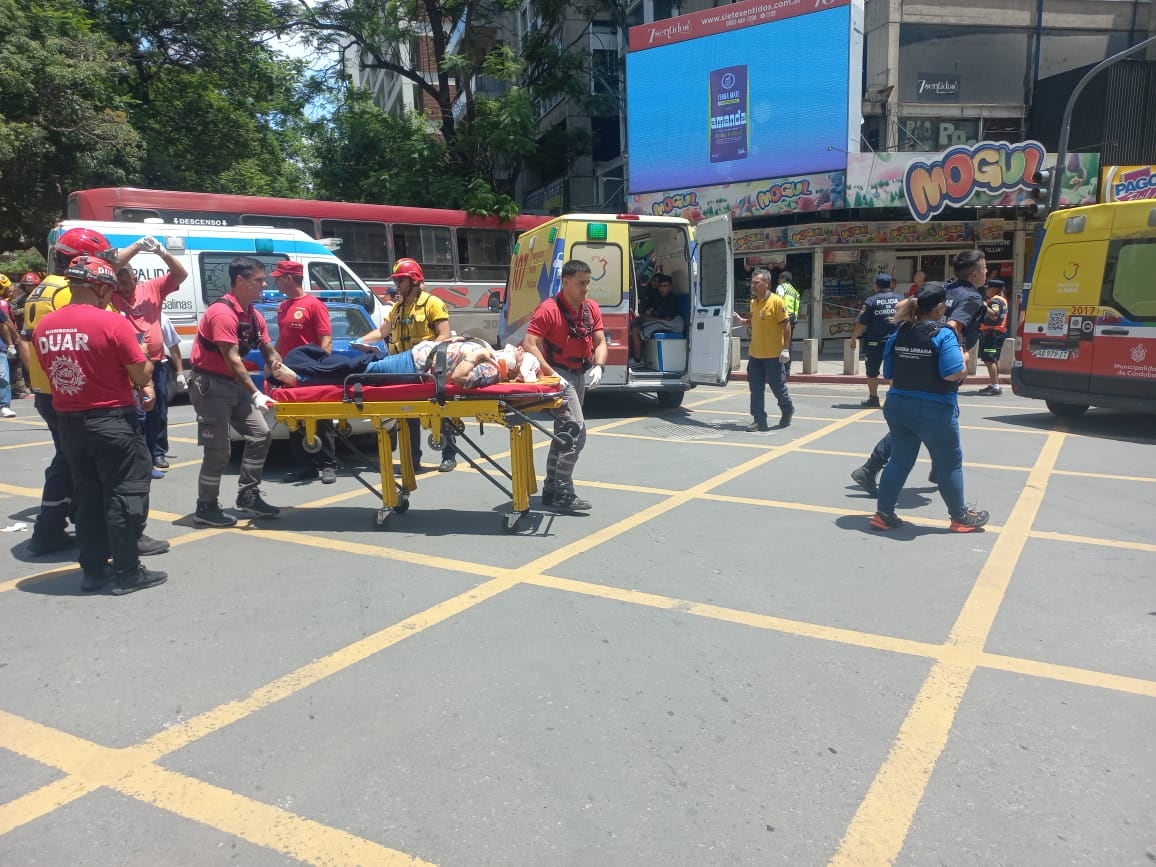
(402, 502)
(311, 446)
(435, 442)
(565, 441)
(571, 429)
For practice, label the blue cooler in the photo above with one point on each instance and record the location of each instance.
(666, 352)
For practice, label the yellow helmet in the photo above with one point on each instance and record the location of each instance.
(5, 283)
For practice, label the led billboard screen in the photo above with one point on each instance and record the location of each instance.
(755, 90)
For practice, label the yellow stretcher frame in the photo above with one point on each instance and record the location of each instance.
(507, 410)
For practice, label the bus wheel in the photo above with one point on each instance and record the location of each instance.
(1067, 410)
(670, 399)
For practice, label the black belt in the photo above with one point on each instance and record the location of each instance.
(582, 369)
(101, 412)
(204, 372)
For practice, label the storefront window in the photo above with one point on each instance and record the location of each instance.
(989, 64)
(1065, 50)
(929, 134)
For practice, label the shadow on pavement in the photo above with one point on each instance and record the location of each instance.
(1107, 424)
(906, 533)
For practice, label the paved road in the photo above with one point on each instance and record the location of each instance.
(721, 664)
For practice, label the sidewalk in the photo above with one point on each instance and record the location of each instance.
(830, 370)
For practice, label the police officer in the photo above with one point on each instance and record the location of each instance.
(791, 299)
(567, 337)
(58, 496)
(924, 362)
(224, 394)
(94, 361)
(964, 298)
(875, 326)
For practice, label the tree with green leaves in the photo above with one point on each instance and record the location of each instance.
(63, 115)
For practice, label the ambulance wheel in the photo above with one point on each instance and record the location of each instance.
(381, 519)
(402, 502)
(670, 399)
(1067, 410)
(311, 447)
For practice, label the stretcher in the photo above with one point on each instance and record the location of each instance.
(388, 399)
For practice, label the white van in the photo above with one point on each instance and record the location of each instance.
(206, 251)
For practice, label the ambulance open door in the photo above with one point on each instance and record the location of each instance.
(712, 302)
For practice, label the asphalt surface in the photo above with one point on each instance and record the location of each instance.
(720, 664)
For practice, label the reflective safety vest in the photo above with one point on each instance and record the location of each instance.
(999, 325)
(791, 298)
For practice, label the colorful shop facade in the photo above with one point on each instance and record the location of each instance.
(894, 213)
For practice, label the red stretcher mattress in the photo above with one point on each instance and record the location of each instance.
(418, 391)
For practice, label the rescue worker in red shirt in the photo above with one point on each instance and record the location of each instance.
(567, 337)
(224, 394)
(94, 361)
(303, 320)
(142, 304)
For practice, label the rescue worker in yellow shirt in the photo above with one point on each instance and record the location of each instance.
(791, 298)
(417, 316)
(769, 353)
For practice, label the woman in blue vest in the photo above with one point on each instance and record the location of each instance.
(925, 364)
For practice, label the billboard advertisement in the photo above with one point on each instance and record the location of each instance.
(724, 96)
(822, 192)
(1128, 183)
(981, 175)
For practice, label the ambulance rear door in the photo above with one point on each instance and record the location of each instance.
(712, 302)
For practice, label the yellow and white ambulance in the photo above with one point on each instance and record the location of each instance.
(624, 251)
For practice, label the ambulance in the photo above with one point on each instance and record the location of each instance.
(624, 251)
(1088, 330)
(206, 251)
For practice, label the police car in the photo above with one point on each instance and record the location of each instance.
(349, 321)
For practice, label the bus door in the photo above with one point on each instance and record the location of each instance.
(1124, 356)
(712, 302)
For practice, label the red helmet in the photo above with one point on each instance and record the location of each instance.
(81, 242)
(408, 268)
(90, 269)
(31, 278)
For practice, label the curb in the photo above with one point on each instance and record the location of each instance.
(831, 378)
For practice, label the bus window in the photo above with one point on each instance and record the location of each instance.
(430, 246)
(1128, 284)
(301, 224)
(215, 273)
(605, 261)
(484, 254)
(133, 215)
(364, 246)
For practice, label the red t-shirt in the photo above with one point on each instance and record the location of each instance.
(144, 310)
(549, 323)
(219, 324)
(301, 321)
(84, 350)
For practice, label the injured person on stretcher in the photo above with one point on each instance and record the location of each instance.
(468, 364)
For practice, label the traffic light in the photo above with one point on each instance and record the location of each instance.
(1039, 194)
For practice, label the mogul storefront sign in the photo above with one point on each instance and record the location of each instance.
(878, 234)
(822, 192)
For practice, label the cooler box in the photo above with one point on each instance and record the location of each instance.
(666, 352)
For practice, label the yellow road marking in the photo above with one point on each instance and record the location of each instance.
(730, 444)
(748, 415)
(26, 445)
(1090, 540)
(982, 427)
(41, 802)
(880, 825)
(1106, 476)
(860, 456)
(1069, 674)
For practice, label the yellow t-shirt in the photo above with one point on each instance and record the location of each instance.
(767, 318)
(52, 294)
(413, 323)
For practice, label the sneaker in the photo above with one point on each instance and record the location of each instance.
(996, 390)
(447, 466)
(328, 476)
(250, 503)
(969, 522)
(865, 479)
(140, 579)
(146, 546)
(567, 501)
(306, 474)
(93, 582)
(870, 403)
(785, 418)
(157, 474)
(757, 426)
(209, 514)
(882, 521)
(48, 543)
(6, 412)
(160, 463)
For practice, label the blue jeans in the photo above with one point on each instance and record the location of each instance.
(156, 420)
(762, 372)
(5, 382)
(403, 363)
(912, 421)
(400, 363)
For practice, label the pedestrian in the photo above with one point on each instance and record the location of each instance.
(875, 326)
(95, 363)
(992, 333)
(58, 498)
(303, 320)
(568, 338)
(964, 298)
(19, 372)
(224, 395)
(769, 351)
(176, 374)
(924, 362)
(9, 355)
(917, 281)
(792, 299)
(416, 316)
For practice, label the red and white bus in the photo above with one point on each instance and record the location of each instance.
(466, 259)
